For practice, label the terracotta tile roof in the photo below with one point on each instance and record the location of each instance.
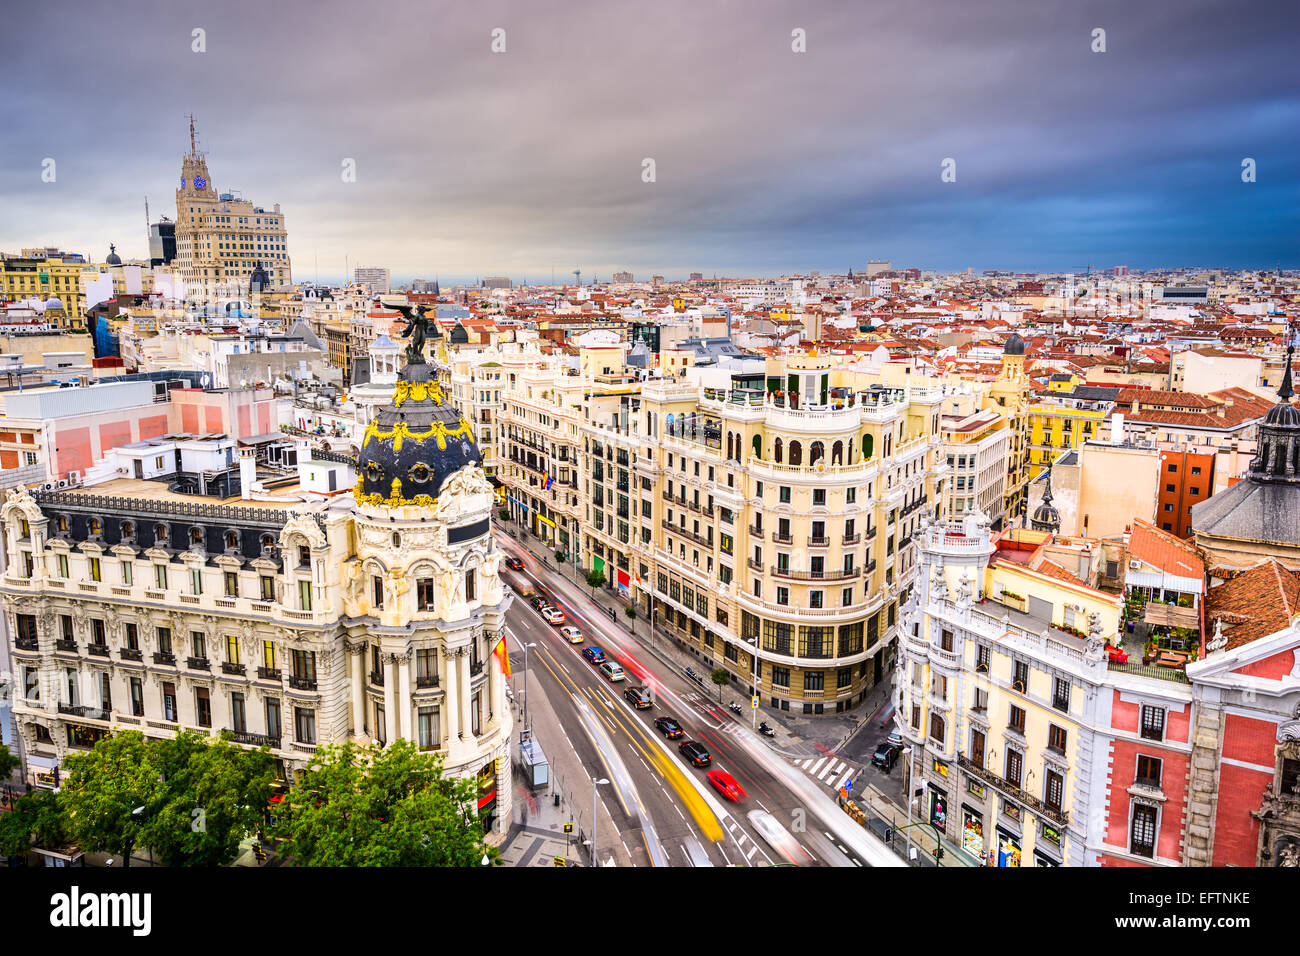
(1254, 604)
(1054, 570)
(1165, 551)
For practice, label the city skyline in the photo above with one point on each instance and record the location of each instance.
(470, 162)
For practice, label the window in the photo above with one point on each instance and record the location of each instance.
(945, 640)
(814, 680)
(844, 677)
(1153, 722)
(274, 724)
(1142, 841)
(784, 494)
(780, 677)
(268, 588)
(1056, 738)
(304, 724)
(232, 649)
(424, 593)
(304, 594)
(1170, 489)
(476, 714)
(1196, 469)
(850, 496)
(846, 597)
(126, 573)
(160, 576)
(1016, 721)
(196, 581)
(202, 707)
(430, 733)
(169, 702)
(1148, 772)
(164, 640)
(782, 595)
(1173, 469)
(63, 565)
(1020, 677)
(815, 599)
(977, 745)
(198, 645)
(1061, 694)
(471, 579)
(1053, 790)
(1015, 764)
(137, 697)
(936, 728)
(982, 656)
(238, 717)
(304, 664)
(377, 589)
(819, 497)
(232, 584)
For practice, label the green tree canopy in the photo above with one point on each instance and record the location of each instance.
(380, 806)
(595, 579)
(8, 762)
(722, 677)
(36, 820)
(215, 794)
(104, 786)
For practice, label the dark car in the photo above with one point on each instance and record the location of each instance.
(514, 564)
(669, 727)
(695, 753)
(538, 602)
(640, 697)
(886, 756)
(594, 655)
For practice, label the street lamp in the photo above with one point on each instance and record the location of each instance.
(594, 784)
(527, 725)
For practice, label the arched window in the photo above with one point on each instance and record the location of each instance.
(776, 451)
(837, 453)
(160, 533)
(796, 453)
(128, 530)
(232, 541)
(868, 441)
(816, 452)
(758, 447)
(63, 524)
(196, 537)
(95, 527)
(268, 542)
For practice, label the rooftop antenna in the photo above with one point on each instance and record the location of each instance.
(577, 275)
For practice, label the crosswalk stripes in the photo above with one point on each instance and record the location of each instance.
(828, 770)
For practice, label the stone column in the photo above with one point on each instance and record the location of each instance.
(451, 697)
(462, 664)
(404, 697)
(390, 697)
(358, 689)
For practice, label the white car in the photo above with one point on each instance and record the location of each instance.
(553, 616)
(778, 837)
(572, 633)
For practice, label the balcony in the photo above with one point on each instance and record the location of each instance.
(779, 538)
(254, 740)
(818, 542)
(198, 663)
(827, 575)
(91, 713)
(1013, 791)
(376, 678)
(131, 654)
(268, 673)
(307, 683)
(164, 657)
(426, 681)
(235, 670)
(27, 644)
(755, 531)
(852, 538)
(755, 565)
(69, 646)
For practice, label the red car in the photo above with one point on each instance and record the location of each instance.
(726, 785)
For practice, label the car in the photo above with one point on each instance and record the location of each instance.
(895, 739)
(726, 785)
(695, 753)
(594, 655)
(538, 602)
(514, 564)
(553, 616)
(886, 756)
(778, 837)
(572, 633)
(611, 671)
(640, 697)
(669, 727)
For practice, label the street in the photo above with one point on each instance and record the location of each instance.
(664, 811)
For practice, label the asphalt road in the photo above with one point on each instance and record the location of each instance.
(666, 811)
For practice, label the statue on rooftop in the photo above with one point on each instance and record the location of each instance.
(416, 329)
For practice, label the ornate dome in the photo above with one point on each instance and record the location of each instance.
(1277, 458)
(53, 303)
(1045, 516)
(113, 258)
(1014, 345)
(259, 281)
(413, 444)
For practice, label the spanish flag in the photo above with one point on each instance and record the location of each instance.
(503, 655)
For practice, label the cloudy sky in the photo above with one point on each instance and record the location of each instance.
(472, 163)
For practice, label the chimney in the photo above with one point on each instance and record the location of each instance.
(247, 471)
(1117, 428)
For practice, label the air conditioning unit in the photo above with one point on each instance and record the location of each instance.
(50, 486)
(1134, 564)
(62, 483)
(74, 477)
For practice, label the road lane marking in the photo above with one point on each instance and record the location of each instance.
(819, 763)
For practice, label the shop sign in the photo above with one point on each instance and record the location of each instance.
(972, 832)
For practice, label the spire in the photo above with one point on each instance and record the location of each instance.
(1286, 391)
(1047, 491)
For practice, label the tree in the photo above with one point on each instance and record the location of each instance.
(559, 557)
(216, 793)
(503, 514)
(36, 819)
(595, 579)
(8, 762)
(380, 806)
(722, 677)
(103, 788)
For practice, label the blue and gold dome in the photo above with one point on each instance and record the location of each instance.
(413, 444)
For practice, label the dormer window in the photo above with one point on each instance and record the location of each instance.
(268, 543)
(196, 537)
(63, 524)
(160, 534)
(232, 541)
(128, 531)
(96, 528)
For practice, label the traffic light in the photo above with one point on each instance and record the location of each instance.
(938, 854)
(889, 834)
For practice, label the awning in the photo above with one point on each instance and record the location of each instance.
(1171, 616)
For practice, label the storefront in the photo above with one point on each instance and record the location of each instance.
(487, 795)
(972, 831)
(1008, 849)
(938, 807)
